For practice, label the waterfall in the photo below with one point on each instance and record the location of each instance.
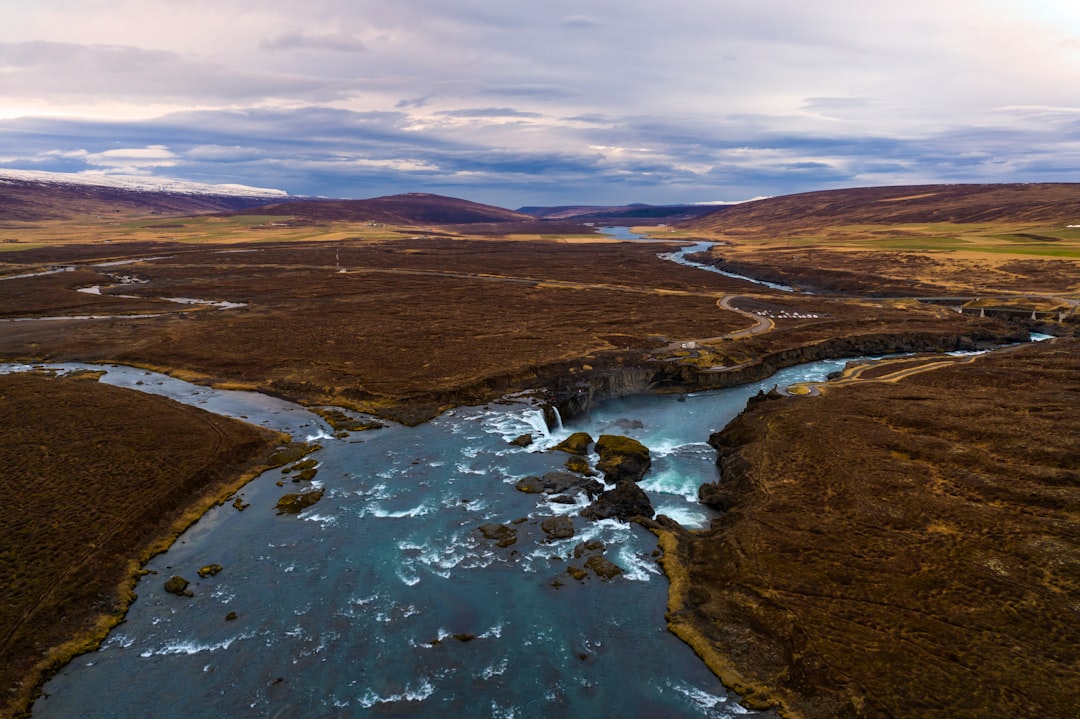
(536, 420)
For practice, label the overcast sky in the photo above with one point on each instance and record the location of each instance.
(516, 102)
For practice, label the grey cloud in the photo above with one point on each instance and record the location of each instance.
(335, 152)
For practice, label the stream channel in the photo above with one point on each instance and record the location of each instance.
(352, 607)
(681, 256)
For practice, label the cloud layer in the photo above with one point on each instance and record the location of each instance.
(544, 103)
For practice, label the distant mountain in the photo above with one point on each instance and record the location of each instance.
(908, 204)
(414, 208)
(27, 196)
(637, 213)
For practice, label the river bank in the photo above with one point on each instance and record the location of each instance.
(92, 492)
(921, 562)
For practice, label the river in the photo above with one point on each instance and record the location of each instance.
(681, 256)
(352, 607)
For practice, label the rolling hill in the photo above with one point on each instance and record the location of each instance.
(36, 196)
(408, 209)
(622, 214)
(911, 204)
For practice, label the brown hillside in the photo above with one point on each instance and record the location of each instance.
(414, 208)
(28, 201)
(911, 204)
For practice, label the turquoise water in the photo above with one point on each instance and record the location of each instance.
(352, 607)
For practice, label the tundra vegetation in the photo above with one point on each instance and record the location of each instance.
(403, 316)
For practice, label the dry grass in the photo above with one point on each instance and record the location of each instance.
(903, 549)
(91, 490)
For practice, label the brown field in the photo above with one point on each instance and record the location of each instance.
(412, 325)
(900, 548)
(92, 490)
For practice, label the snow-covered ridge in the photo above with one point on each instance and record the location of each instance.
(138, 183)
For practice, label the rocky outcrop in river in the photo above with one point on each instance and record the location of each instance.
(624, 461)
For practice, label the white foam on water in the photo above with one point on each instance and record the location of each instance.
(501, 712)
(448, 558)
(118, 640)
(396, 613)
(325, 640)
(410, 580)
(510, 424)
(636, 567)
(418, 694)
(494, 670)
(708, 702)
(668, 447)
(441, 635)
(360, 602)
(460, 552)
(324, 520)
(355, 606)
(479, 560)
(671, 481)
(379, 491)
(581, 501)
(191, 647)
(691, 516)
(463, 468)
(473, 505)
(613, 531)
(494, 633)
(420, 510)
